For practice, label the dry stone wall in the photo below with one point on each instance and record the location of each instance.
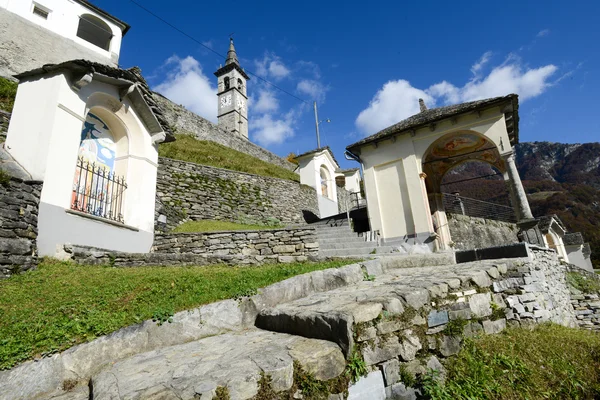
(586, 303)
(186, 121)
(234, 248)
(470, 233)
(192, 191)
(18, 225)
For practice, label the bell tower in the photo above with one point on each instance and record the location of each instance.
(231, 92)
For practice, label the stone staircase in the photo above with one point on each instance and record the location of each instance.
(336, 239)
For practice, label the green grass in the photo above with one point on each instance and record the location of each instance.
(584, 283)
(8, 92)
(549, 362)
(62, 304)
(187, 148)
(209, 225)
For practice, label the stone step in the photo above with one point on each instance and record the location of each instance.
(394, 285)
(234, 360)
(358, 252)
(351, 239)
(346, 245)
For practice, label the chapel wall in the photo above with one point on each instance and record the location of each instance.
(188, 191)
(186, 121)
(26, 46)
(18, 225)
(469, 233)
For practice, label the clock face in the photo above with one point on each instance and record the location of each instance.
(241, 105)
(226, 101)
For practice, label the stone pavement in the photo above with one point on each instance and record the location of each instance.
(395, 313)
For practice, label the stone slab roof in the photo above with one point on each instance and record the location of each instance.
(572, 239)
(545, 222)
(120, 76)
(123, 25)
(432, 115)
(310, 152)
(347, 170)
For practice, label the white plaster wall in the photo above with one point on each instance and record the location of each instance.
(54, 161)
(34, 113)
(410, 150)
(327, 207)
(576, 257)
(309, 168)
(64, 20)
(353, 183)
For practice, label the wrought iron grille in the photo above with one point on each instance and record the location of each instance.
(97, 191)
(455, 204)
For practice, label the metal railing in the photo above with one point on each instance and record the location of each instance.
(456, 204)
(356, 201)
(97, 191)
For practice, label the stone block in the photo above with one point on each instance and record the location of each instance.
(410, 345)
(436, 318)
(481, 279)
(367, 334)
(391, 372)
(472, 329)
(449, 345)
(480, 305)
(286, 259)
(399, 391)
(393, 306)
(464, 313)
(382, 351)
(285, 248)
(386, 327)
(370, 387)
(417, 298)
(493, 327)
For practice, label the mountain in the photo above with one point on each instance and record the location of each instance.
(559, 178)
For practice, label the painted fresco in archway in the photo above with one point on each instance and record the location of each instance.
(457, 144)
(451, 150)
(92, 190)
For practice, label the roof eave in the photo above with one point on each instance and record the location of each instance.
(514, 107)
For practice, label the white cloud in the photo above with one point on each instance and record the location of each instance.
(485, 58)
(271, 66)
(543, 32)
(312, 88)
(268, 130)
(267, 102)
(397, 100)
(186, 84)
(392, 103)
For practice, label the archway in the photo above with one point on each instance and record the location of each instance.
(445, 154)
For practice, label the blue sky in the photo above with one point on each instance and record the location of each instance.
(367, 63)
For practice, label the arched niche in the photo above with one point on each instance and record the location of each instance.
(326, 183)
(453, 149)
(95, 31)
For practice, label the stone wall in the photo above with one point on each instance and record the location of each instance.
(19, 52)
(4, 121)
(234, 248)
(186, 121)
(469, 233)
(586, 304)
(19, 203)
(192, 191)
(345, 199)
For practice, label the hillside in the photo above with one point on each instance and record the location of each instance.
(562, 179)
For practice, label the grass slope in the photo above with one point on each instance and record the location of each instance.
(187, 148)
(549, 362)
(208, 225)
(8, 92)
(62, 304)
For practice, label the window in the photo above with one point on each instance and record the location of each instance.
(40, 11)
(240, 84)
(226, 83)
(94, 30)
(324, 175)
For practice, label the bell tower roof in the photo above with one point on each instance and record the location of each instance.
(231, 56)
(231, 62)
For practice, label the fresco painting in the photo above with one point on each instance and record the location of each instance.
(95, 168)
